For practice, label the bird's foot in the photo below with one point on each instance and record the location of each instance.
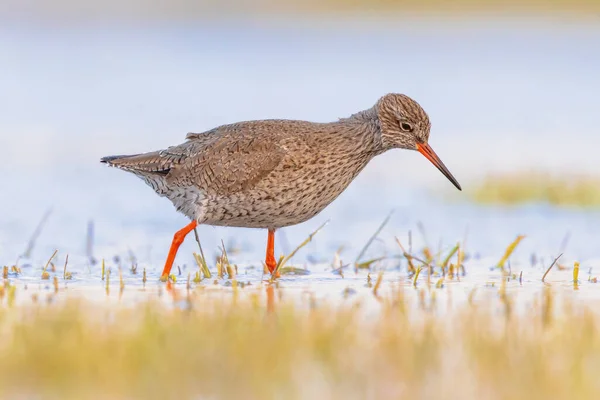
(270, 261)
(272, 267)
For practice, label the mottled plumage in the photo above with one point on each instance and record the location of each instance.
(276, 173)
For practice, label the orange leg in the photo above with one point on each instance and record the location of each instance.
(177, 240)
(270, 259)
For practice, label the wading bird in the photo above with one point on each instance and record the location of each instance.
(275, 173)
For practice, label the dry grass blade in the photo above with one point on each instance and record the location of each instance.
(460, 256)
(108, 282)
(338, 265)
(224, 253)
(294, 271)
(428, 256)
(416, 277)
(550, 267)
(377, 283)
(133, 269)
(121, 283)
(197, 277)
(411, 266)
(45, 274)
(66, 275)
(427, 249)
(220, 269)
(285, 259)
(226, 263)
(509, 251)
(438, 255)
(201, 261)
(372, 238)
(424, 262)
(367, 264)
(521, 278)
(447, 259)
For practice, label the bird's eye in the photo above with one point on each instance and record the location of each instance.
(406, 127)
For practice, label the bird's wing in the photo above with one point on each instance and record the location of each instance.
(226, 160)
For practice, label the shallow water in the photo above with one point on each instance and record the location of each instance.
(502, 95)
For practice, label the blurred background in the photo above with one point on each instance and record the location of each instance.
(511, 88)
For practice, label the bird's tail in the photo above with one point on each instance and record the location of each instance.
(147, 163)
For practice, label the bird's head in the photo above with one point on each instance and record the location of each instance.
(405, 125)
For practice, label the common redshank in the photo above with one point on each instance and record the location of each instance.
(275, 173)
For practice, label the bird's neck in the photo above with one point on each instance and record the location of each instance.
(363, 131)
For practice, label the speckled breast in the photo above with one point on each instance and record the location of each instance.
(287, 196)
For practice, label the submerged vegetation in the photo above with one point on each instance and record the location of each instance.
(539, 187)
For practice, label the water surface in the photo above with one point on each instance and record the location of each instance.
(502, 95)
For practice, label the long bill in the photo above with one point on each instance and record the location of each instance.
(428, 152)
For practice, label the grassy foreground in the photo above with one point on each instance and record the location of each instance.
(256, 346)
